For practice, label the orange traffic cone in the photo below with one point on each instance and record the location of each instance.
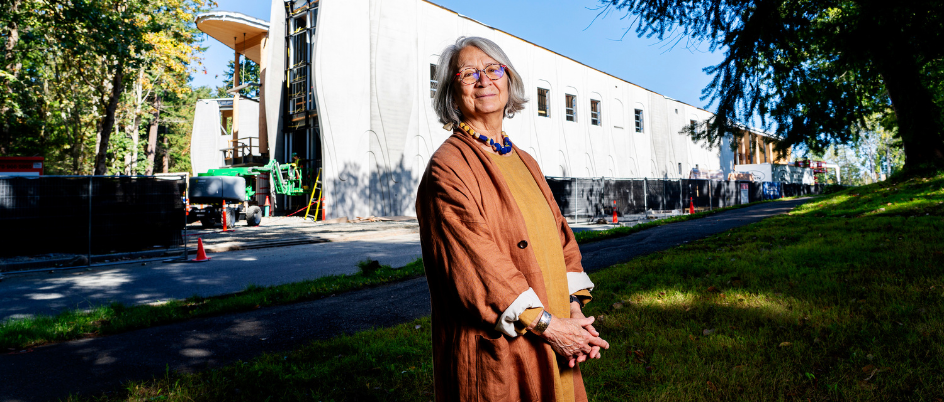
(266, 207)
(614, 212)
(225, 218)
(201, 255)
(691, 206)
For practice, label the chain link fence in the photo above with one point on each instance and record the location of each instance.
(68, 221)
(593, 198)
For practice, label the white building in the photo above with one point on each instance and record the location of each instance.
(347, 85)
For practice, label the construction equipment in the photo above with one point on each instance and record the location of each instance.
(209, 190)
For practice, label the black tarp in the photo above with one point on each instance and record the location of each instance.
(51, 214)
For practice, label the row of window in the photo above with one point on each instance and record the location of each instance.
(570, 109)
(544, 104)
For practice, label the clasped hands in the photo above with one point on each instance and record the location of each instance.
(574, 338)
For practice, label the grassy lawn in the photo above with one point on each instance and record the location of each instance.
(842, 299)
(117, 317)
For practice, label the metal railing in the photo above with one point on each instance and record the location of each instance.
(593, 198)
(71, 221)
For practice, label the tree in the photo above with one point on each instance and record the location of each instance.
(166, 69)
(248, 72)
(75, 71)
(813, 71)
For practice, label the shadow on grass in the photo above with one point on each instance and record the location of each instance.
(832, 302)
(791, 307)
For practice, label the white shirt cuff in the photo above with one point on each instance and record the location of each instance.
(506, 323)
(577, 281)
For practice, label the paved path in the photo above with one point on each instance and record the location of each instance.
(606, 253)
(92, 365)
(229, 272)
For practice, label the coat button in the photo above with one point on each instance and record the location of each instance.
(523, 244)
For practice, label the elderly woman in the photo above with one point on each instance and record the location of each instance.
(503, 267)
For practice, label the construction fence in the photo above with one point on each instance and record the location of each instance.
(61, 221)
(589, 198)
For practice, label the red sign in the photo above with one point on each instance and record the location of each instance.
(21, 166)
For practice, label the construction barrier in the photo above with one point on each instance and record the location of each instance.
(593, 198)
(95, 217)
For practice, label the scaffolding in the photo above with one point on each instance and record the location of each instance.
(301, 19)
(301, 136)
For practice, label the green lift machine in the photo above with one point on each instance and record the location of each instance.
(210, 192)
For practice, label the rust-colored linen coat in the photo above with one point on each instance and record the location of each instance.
(478, 261)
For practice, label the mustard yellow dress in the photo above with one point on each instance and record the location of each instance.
(545, 243)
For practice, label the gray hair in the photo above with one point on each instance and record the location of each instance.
(443, 102)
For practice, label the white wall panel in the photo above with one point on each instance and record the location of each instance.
(342, 86)
(379, 129)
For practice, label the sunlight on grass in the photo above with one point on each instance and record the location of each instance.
(831, 302)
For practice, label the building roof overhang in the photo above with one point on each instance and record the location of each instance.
(240, 32)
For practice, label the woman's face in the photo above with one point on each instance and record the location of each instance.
(485, 96)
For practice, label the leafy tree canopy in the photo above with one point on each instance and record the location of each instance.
(73, 72)
(813, 71)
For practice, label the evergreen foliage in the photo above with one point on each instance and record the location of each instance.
(813, 71)
(248, 73)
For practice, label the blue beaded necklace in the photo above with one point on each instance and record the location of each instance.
(498, 147)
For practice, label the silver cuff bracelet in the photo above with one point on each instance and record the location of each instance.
(542, 323)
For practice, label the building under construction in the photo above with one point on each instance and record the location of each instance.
(346, 86)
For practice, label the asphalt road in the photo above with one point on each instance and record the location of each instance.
(229, 272)
(607, 253)
(95, 365)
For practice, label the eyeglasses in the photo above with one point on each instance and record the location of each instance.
(469, 75)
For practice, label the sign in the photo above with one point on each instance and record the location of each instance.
(745, 193)
(771, 190)
(21, 166)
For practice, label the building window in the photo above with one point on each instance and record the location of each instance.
(570, 107)
(595, 113)
(543, 105)
(433, 84)
(639, 123)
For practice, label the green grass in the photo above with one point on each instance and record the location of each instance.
(589, 236)
(117, 317)
(838, 300)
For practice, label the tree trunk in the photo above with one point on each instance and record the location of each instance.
(897, 60)
(919, 124)
(108, 121)
(152, 137)
(164, 151)
(13, 37)
(75, 124)
(136, 140)
(133, 132)
(127, 166)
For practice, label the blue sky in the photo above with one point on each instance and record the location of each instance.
(561, 26)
